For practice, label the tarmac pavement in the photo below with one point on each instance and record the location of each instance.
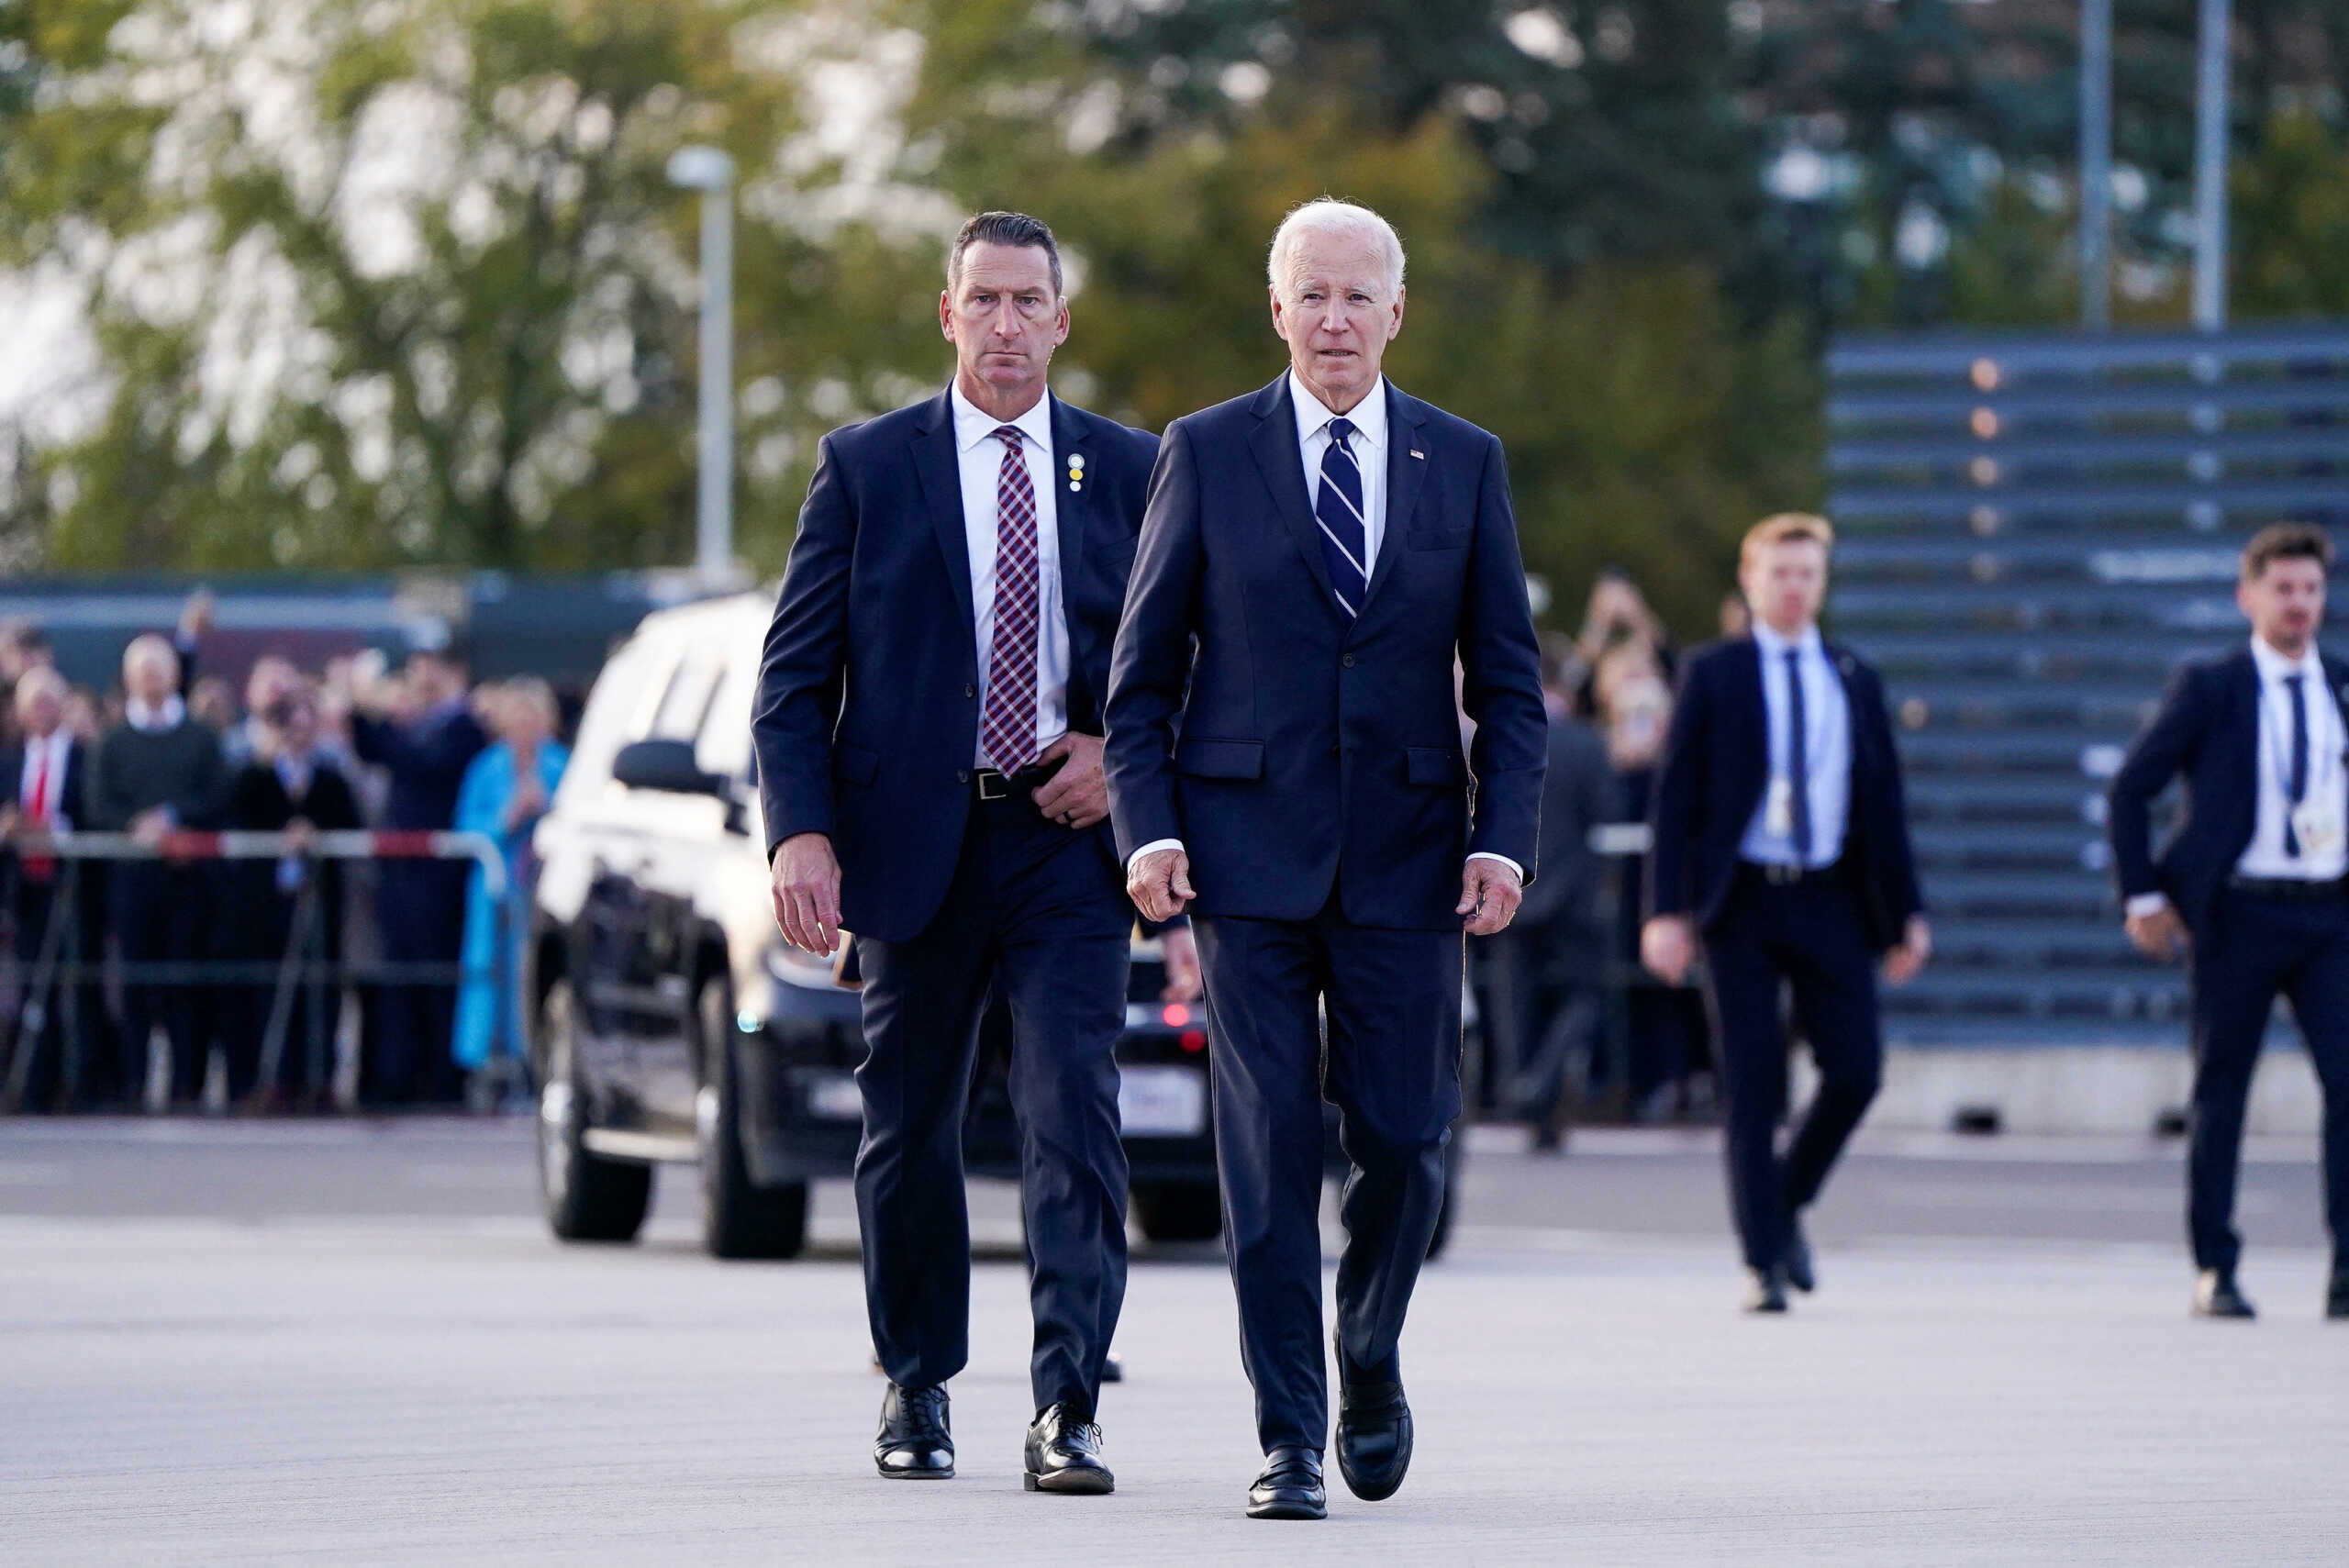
(354, 1343)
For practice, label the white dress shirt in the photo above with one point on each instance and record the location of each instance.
(2327, 793)
(50, 752)
(1827, 751)
(978, 457)
(1368, 445)
(165, 715)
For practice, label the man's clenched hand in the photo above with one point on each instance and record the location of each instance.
(808, 893)
(1160, 884)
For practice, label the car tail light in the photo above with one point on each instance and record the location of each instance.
(1194, 1040)
(1175, 1014)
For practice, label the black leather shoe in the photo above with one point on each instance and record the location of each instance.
(1766, 1290)
(1797, 1262)
(2215, 1296)
(1374, 1439)
(914, 1445)
(1064, 1455)
(2336, 1295)
(1290, 1487)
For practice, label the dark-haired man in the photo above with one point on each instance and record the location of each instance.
(928, 734)
(1782, 845)
(2250, 884)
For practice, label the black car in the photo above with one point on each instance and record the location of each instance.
(673, 1026)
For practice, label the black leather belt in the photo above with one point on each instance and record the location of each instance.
(989, 785)
(992, 785)
(2291, 889)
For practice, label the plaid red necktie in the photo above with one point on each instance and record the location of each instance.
(1008, 723)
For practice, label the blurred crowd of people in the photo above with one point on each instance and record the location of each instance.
(1573, 1026)
(314, 981)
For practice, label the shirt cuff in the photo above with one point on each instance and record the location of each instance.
(1153, 847)
(2145, 904)
(1488, 855)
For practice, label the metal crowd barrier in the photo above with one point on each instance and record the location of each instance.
(59, 969)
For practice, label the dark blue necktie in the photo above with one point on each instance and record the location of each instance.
(2296, 788)
(1799, 756)
(1345, 532)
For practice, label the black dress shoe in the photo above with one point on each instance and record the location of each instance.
(1065, 1453)
(2215, 1296)
(2336, 1295)
(914, 1445)
(1797, 1262)
(1290, 1487)
(1766, 1290)
(1374, 1439)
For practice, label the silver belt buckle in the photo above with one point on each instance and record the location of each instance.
(994, 785)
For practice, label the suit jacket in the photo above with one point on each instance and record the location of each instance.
(1716, 767)
(68, 798)
(1577, 794)
(2207, 731)
(867, 713)
(426, 759)
(1295, 750)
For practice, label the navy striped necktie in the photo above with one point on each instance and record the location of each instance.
(1345, 531)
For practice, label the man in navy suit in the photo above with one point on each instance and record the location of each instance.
(928, 734)
(2250, 884)
(1285, 749)
(425, 738)
(1782, 848)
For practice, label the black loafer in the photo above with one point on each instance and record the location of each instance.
(1766, 1290)
(1374, 1439)
(1797, 1262)
(1290, 1487)
(1064, 1455)
(2215, 1296)
(2336, 1295)
(914, 1443)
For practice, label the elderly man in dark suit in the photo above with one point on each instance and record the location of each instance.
(1781, 842)
(928, 734)
(2250, 884)
(1285, 749)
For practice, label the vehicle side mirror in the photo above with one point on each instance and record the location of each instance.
(666, 765)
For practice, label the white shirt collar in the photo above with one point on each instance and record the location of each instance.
(1773, 645)
(974, 424)
(2274, 666)
(1369, 415)
(167, 716)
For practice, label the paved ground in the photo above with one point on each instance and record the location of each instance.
(353, 1344)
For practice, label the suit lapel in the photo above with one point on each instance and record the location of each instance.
(1756, 707)
(1407, 470)
(1282, 467)
(2243, 725)
(941, 488)
(1071, 509)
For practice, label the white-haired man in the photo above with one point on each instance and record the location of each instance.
(1284, 757)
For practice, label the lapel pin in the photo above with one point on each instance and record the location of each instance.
(1075, 472)
(1420, 455)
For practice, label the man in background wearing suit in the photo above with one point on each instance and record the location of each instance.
(1284, 746)
(42, 776)
(928, 734)
(2250, 884)
(1782, 849)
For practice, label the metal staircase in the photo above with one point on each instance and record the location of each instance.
(2033, 531)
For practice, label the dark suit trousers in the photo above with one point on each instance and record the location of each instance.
(2251, 951)
(76, 1010)
(1040, 913)
(420, 907)
(1807, 936)
(1392, 1066)
(162, 915)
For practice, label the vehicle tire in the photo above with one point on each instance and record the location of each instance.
(586, 1198)
(1178, 1211)
(738, 1218)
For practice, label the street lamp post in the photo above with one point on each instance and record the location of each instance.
(2210, 167)
(711, 172)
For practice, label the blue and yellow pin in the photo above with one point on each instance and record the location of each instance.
(1075, 472)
